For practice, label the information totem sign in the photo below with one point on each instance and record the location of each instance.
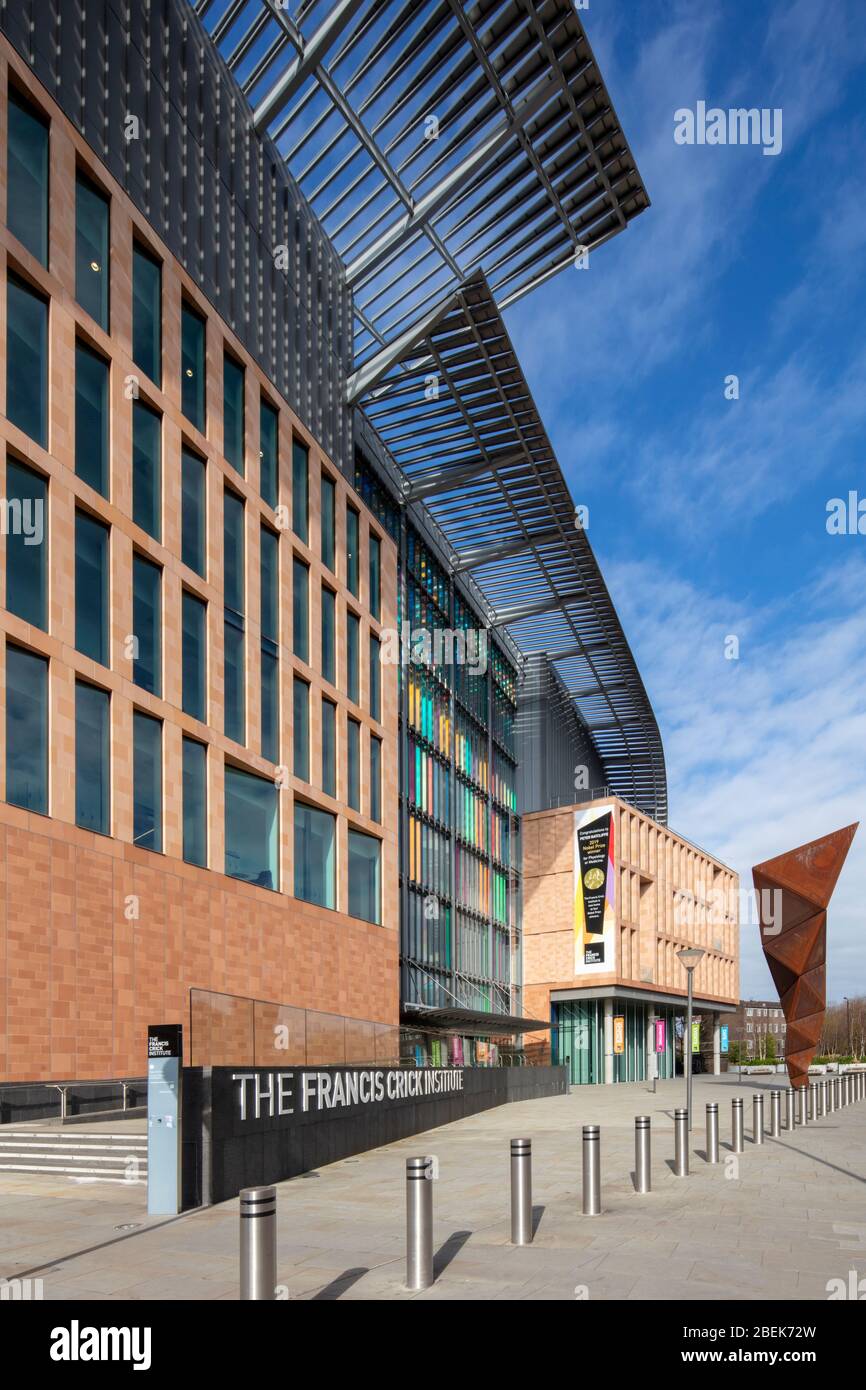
(164, 1069)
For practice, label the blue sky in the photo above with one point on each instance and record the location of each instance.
(708, 516)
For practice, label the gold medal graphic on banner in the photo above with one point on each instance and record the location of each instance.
(593, 878)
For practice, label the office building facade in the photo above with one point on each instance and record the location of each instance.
(308, 609)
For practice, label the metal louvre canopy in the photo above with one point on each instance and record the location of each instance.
(458, 419)
(470, 1022)
(432, 137)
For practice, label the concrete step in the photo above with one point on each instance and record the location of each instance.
(117, 1158)
(74, 1174)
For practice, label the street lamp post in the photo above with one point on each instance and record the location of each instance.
(689, 959)
(848, 1010)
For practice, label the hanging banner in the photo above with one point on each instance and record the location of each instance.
(696, 1037)
(660, 1035)
(594, 890)
(724, 1032)
(618, 1033)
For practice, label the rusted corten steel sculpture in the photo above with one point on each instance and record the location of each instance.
(795, 938)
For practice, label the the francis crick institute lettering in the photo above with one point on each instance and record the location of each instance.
(273, 1093)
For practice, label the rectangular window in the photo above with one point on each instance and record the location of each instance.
(193, 523)
(91, 587)
(301, 610)
(252, 828)
(147, 469)
(233, 412)
(194, 656)
(91, 249)
(270, 704)
(192, 367)
(329, 748)
(147, 313)
(270, 583)
(353, 644)
(329, 636)
(27, 544)
(353, 749)
(269, 455)
(92, 744)
(375, 678)
(353, 522)
(233, 539)
(329, 522)
(146, 781)
(301, 729)
(235, 694)
(194, 802)
(375, 575)
(147, 624)
(300, 491)
(27, 176)
(375, 778)
(315, 876)
(26, 730)
(91, 418)
(365, 853)
(27, 360)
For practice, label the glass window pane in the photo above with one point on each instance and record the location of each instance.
(27, 544)
(146, 781)
(27, 360)
(314, 856)
(352, 542)
(193, 511)
(194, 802)
(147, 313)
(194, 656)
(375, 576)
(192, 369)
(353, 788)
(233, 561)
(91, 587)
(270, 706)
(147, 624)
(147, 469)
(268, 453)
(375, 679)
(92, 794)
(27, 177)
(235, 694)
(91, 249)
(329, 523)
(364, 865)
(301, 729)
(270, 577)
(27, 730)
(233, 412)
(91, 418)
(353, 643)
(301, 610)
(375, 778)
(300, 492)
(329, 636)
(252, 828)
(329, 748)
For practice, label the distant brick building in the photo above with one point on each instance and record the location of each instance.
(754, 1022)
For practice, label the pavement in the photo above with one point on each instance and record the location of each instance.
(782, 1220)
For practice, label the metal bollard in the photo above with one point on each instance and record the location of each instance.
(681, 1143)
(822, 1098)
(843, 1091)
(737, 1125)
(521, 1192)
(802, 1114)
(813, 1102)
(258, 1212)
(831, 1096)
(775, 1114)
(790, 1108)
(419, 1223)
(642, 1153)
(837, 1100)
(591, 1170)
(758, 1118)
(712, 1132)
